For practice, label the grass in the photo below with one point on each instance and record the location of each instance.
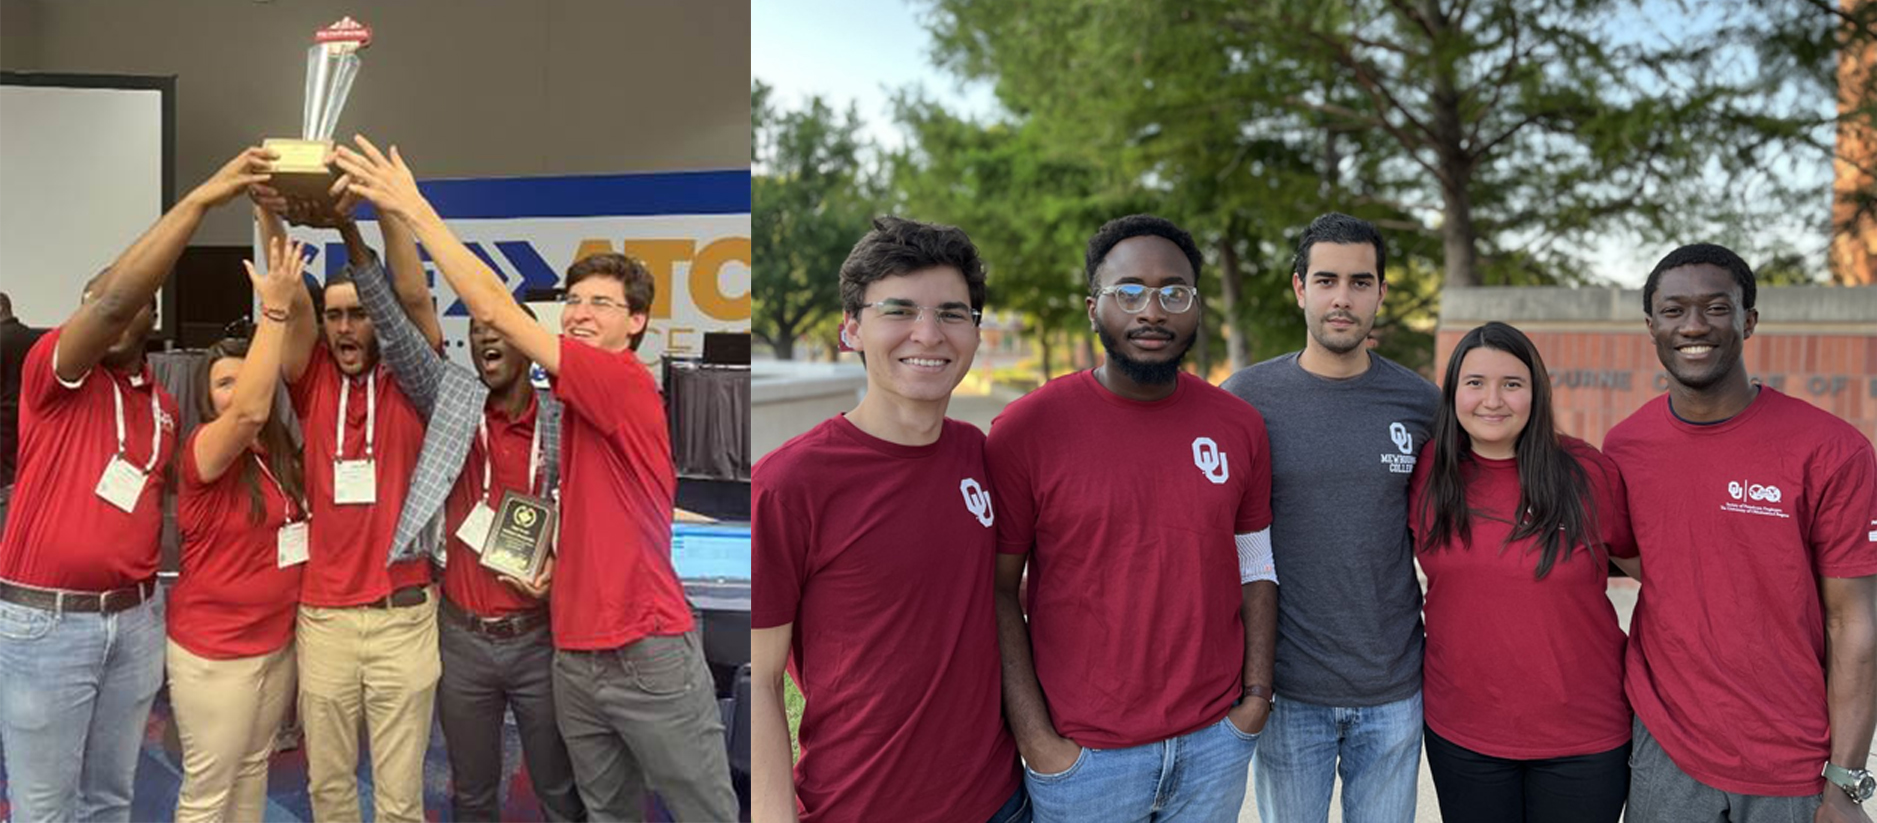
(792, 701)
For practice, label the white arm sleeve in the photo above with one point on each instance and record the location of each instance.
(1254, 557)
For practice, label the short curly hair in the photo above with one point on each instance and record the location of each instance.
(635, 280)
(899, 246)
(1136, 225)
(1695, 254)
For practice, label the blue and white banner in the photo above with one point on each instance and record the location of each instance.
(692, 230)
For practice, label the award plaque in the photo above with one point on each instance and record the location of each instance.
(300, 172)
(520, 537)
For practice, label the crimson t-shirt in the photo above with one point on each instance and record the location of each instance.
(59, 533)
(613, 579)
(232, 599)
(882, 556)
(466, 581)
(347, 545)
(1736, 521)
(1517, 667)
(1128, 510)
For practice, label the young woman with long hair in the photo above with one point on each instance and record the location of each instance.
(1523, 678)
(242, 514)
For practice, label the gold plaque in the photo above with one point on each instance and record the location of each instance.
(520, 537)
(300, 171)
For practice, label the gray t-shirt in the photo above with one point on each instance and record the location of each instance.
(1342, 451)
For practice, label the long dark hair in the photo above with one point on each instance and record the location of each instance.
(1554, 492)
(283, 458)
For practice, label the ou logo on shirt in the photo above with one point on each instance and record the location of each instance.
(977, 501)
(1404, 442)
(1753, 491)
(1210, 460)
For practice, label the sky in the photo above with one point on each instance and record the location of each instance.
(862, 51)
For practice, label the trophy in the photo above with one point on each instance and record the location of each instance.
(300, 171)
(520, 536)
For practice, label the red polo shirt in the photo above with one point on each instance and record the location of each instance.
(465, 580)
(59, 532)
(613, 579)
(232, 598)
(348, 545)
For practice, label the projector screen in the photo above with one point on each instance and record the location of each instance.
(84, 169)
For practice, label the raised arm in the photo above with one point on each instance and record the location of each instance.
(135, 276)
(407, 276)
(228, 435)
(772, 790)
(414, 361)
(301, 333)
(387, 182)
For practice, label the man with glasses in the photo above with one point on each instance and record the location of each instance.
(635, 698)
(1140, 498)
(873, 538)
(1349, 626)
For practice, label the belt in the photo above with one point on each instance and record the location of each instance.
(407, 596)
(512, 625)
(61, 600)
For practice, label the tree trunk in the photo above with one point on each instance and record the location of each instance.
(1231, 284)
(784, 344)
(1456, 164)
(1042, 353)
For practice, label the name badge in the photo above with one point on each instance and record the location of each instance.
(354, 482)
(121, 484)
(290, 545)
(475, 529)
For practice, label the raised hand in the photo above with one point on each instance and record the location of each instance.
(248, 168)
(276, 288)
(384, 180)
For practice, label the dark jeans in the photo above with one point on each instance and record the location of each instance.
(482, 678)
(642, 716)
(1015, 810)
(1479, 788)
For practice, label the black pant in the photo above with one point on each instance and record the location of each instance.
(1472, 787)
(482, 678)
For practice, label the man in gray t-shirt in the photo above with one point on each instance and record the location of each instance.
(1345, 425)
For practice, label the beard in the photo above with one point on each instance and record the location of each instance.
(1339, 342)
(1143, 371)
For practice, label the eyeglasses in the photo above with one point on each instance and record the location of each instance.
(900, 311)
(1132, 297)
(597, 304)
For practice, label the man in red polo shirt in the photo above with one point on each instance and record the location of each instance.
(81, 625)
(635, 698)
(367, 631)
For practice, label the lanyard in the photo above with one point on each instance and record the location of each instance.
(293, 506)
(156, 430)
(534, 453)
(371, 413)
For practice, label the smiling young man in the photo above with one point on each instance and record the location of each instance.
(1139, 497)
(873, 545)
(635, 699)
(1349, 626)
(1751, 652)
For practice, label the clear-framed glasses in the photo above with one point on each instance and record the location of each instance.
(1132, 297)
(597, 304)
(901, 311)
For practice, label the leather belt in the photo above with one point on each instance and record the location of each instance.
(512, 625)
(407, 596)
(62, 600)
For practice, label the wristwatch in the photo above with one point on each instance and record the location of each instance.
(1857, 783)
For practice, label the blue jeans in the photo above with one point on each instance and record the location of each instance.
(1015, 810)
(1198, 777)
(75, 694)
(1376, 749)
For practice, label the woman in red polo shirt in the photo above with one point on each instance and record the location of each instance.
(242, 515)
(1523, 679)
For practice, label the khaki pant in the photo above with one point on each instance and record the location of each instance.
(227, 712)
(381, 664)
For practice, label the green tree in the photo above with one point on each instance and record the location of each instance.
(810, 200)
(1514, 132)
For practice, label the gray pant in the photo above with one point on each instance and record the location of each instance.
(645, 716)
(482, 677)
(1660, 792)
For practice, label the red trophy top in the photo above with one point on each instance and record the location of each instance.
(346, 30)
